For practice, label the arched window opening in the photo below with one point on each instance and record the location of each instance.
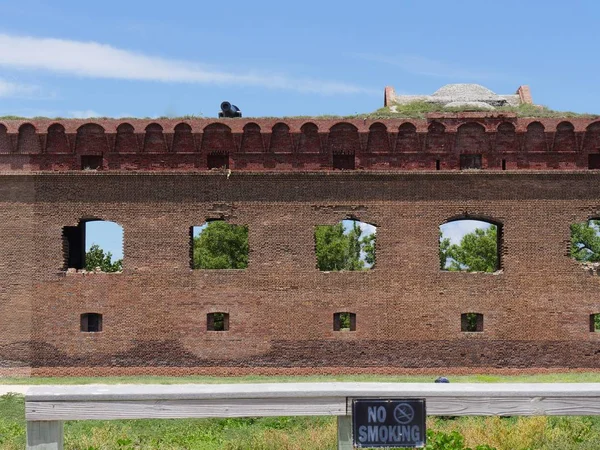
(471, 323)
(585, 244)
(91, 322)
(219, 245)
(467, 245)
(595, 323)
(93, 246)
(217, 321)
(344, 321)
(347, 245)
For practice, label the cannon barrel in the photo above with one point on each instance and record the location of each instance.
(229, 110)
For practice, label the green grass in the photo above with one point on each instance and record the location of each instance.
(299, 433)
(419, 110)
(294, 433)
(413, 110)
(567, 377)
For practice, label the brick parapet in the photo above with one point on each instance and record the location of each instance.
(301, 144)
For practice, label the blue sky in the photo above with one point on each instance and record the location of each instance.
(74, 58)
(148, 59)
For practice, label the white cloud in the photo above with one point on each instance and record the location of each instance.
(83, 114)
(95, 60)
(367, 228)
(457, 229)
(8, 89)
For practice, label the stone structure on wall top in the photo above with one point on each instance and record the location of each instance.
(462, 95)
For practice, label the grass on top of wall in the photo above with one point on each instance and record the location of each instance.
(558, 377)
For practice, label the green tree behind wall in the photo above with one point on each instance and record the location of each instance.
(221, 246)
(340, 249)
(95, 257)
(585, 241)
(477, 251)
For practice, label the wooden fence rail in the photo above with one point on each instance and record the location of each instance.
(46, 407)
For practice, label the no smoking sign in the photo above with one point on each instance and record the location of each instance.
(388, 423)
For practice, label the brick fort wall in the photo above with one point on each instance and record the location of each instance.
(408, 311)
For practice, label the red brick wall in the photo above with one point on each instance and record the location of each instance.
(536, 311)
(301, 144)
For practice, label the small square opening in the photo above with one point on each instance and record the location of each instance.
(217, 161)
(91, 162)
(470, 162)
(595, 323)
(217, 321)
(471, 322)
(343, 162)
(344, 321)
(594, 161)
(91, 323)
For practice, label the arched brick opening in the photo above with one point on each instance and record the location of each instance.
(154, 139)
(126, 140)
(471, 244)
(183, 139)
(28, 141)
(310, 141)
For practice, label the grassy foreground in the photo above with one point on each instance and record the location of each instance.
(302, 433)
(295, 433)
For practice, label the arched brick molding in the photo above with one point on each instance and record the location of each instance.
(183, 139)
(217, 139)
(535, 138)
(471, 139)
(281, 140)
(310, 141)
(252, 141)
(564, 139)
(407, 139)
(126, 141)
(57, 140)
(154, 139)
(378, 141)
(591, 139)
(91, 140)
(436, 140)
(5, 146)
(343, 139)
(28, 140)
(506, 138)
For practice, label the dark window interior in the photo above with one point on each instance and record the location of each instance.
(470, 162)
(471, 322)
(91, 162)
(91, 322)
(217, 161)
(343, 162)
(217, 321)
(74, 246)
(594, 161)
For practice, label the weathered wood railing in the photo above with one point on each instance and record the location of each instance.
(48, 406)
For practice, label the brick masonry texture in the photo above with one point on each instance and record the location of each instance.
(301, 144)
(536, 309)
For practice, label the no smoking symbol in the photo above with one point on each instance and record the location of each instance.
(404, 413)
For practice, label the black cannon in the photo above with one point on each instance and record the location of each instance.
(229, 110)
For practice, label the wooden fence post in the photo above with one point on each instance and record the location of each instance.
(45, 435)
(344, 428)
